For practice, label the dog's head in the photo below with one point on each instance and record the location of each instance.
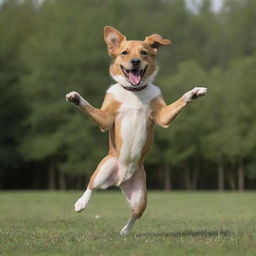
(134, 63)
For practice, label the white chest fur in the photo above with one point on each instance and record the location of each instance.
(133, 114)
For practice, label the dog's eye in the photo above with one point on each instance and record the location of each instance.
(143, 53)
(124, 52)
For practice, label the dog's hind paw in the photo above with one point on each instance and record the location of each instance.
(125, 230)
(81, 204)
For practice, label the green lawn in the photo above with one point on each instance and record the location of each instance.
(177, 223)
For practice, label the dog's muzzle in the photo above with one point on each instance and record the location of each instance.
(134, 75)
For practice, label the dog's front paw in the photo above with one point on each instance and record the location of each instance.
(73, 97)
(194, 94)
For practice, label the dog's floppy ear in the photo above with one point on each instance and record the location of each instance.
(155, 41)
(113, 39)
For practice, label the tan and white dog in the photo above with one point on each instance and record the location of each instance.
(129, 112)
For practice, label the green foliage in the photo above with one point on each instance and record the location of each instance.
(50, 49)
(12, 106)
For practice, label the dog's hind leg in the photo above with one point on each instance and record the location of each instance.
(82, 202)
(135, 192)
(103, 177)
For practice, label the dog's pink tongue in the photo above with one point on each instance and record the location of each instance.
(134, 78)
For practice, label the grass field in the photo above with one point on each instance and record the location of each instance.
(177, 223)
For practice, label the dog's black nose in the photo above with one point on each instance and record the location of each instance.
(135, 62)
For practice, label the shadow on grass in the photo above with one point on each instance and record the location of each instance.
(190, 233)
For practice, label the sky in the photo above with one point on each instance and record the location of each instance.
(216, 4)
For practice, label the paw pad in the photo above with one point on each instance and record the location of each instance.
(73, 97)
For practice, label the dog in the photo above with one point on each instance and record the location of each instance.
(130, 110)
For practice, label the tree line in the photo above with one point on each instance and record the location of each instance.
(50, 49)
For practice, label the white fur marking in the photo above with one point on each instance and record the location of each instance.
(84, 102)
(74, 94)
(82, 202)
(133, 114)
(134, 98)
(127, 227)
(104, 173)
(197, 91)
(133, 133)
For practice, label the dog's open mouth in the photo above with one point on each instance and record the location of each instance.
(134, 75)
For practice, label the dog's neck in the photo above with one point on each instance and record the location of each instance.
(135, 89)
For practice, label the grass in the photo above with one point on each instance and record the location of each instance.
(177, 223)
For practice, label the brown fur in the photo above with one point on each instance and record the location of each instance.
(134, 49)
(163, 114)
(107, 117)
(91, 182)
(117, 43)
(137, 180)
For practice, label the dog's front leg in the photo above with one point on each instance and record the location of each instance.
(101, 117)
(163, 114)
